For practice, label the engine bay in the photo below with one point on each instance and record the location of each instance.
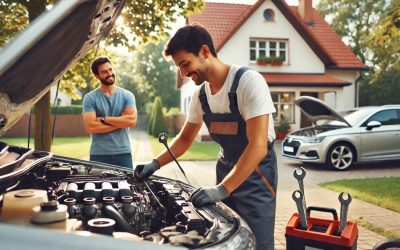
(78, 196)
(316, 130)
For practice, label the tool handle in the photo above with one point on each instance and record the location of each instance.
(322, 209)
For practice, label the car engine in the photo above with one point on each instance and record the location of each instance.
(76, 196)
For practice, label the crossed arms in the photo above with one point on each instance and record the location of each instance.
(93, 125)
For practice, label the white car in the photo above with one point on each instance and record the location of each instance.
(339, 139)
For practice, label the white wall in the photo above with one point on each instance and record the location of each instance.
(65, 100)
(301, 58)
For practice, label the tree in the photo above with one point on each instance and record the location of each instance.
(146, 20)
(371, 29)
(158, 74)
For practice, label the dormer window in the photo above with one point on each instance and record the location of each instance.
(268, 48)
(268, 15)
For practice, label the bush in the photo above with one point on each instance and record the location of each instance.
(65, 110)
(283, 126)
(151, 117)
(158, 120)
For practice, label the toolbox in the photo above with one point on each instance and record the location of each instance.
(320, 233)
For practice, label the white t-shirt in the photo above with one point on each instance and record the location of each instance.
(253, 96)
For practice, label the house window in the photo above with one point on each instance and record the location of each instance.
(268, 15)
(284, 105)
(269, 48)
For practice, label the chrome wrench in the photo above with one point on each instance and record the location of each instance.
(300, 178)
(301, 208)
(344, 208)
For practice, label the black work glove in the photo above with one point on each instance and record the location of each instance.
(203, 195)
(142, 172)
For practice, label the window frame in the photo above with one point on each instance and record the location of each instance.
(268, 49)
(279, 103)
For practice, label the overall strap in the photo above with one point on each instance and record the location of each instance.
(203, 100)
(232, 92)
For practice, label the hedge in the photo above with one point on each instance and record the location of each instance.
(65, 110)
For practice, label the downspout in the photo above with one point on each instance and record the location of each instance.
(356, 99)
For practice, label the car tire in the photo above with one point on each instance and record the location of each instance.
(340, 156)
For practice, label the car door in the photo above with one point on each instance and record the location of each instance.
(382, 142)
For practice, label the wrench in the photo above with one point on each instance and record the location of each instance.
(299, 199)
(344, 207)
(299, 178)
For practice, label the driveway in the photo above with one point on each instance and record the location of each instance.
(202, 173)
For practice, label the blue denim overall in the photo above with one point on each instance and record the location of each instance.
(254, 199)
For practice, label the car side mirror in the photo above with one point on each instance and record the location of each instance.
(373, 124)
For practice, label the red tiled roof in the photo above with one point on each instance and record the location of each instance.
(308, 80)
(223, 20)
(220, 19)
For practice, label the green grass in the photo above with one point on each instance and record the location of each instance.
(381, 231)
(76, 147)
(198, 151)
(383, 192)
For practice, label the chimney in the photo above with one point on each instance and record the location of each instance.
(305, 11)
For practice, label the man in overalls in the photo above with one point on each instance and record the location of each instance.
(236, 105)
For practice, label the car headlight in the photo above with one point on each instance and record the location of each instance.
(316, 139)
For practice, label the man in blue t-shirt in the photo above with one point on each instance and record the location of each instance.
(108, 113)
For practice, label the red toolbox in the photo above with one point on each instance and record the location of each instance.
(320, 233)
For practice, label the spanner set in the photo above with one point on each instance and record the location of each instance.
(306, 232)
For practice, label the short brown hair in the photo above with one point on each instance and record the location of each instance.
(190, 38)
(97, 62)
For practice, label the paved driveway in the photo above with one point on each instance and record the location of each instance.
(202, 173)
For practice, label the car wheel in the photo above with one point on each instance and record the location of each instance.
(340, 156)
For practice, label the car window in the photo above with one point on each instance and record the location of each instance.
(386, 117)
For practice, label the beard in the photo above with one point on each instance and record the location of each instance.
(198, 76)
(108, 80)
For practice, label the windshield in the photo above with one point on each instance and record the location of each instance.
(353, 117)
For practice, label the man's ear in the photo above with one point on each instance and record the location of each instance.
(97, 76)
(205, 51)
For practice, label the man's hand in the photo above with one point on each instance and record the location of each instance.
(203, 195)
(142, 172)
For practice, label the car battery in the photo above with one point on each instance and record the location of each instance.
(320, 233)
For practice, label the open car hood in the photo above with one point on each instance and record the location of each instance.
(315, 109)
(38, 57)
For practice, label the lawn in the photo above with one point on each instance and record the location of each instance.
(76, 147)
(383, 192)
(198, 151)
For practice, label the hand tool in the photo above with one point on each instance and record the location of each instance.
(299, 199)
(344, 207)
(300, 178)
(162, 137)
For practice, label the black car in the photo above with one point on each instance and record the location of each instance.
(55, 202)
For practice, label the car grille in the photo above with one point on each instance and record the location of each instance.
(294, 144)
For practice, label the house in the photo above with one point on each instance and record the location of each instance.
(315, 60)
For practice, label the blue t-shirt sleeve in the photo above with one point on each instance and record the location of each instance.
(88, 104)
(130, 100)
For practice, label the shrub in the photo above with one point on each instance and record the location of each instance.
(65, 110)
(158, 120)
(283, 126)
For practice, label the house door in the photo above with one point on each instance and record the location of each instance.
(304, 122)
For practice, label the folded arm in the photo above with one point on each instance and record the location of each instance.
(94, 126)
(127, 119)
(257, 148)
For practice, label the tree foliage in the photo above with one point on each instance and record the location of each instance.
(147, 74)
(158, 74)
(372, 29)
(142, 21)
